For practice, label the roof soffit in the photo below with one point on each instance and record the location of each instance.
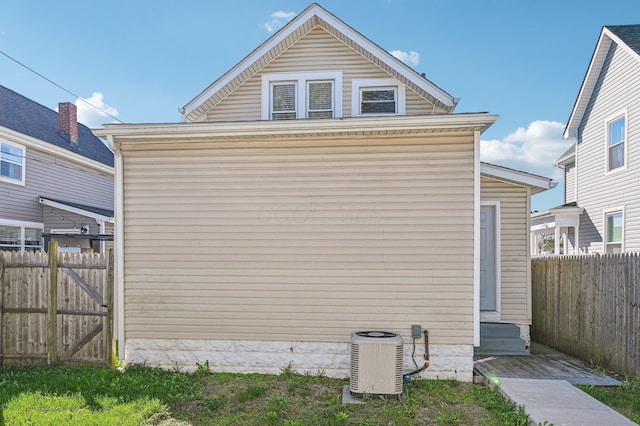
(607, 38)
(312, 17)
(171, 133)
(535, 182)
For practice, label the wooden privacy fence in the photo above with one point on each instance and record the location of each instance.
(56, 307)
(589, 307)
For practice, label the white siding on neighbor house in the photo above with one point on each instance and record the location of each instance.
(514, 243)
(617, 90)
(570, 183)
(53, 177)
(316, 51)
(302, 243)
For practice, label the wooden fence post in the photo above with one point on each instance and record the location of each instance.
(52, 307)
(111, 343)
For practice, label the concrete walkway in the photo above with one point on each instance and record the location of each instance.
(559, 403)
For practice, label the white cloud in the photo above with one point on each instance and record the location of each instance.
(278, 19)
(533, 149)
(410, 58)
(92, 117)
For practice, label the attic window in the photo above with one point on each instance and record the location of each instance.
(377, 97)
(288, 96)
(283, 101)
(12, 163)
(616, 137)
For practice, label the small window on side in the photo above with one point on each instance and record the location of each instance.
(378, 101)
(614, 229)
(11, 163)
(616, 135)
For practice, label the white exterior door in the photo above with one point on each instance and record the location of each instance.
(488, 285)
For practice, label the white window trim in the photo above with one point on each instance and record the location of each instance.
(605, 235)
(301, 90)
(20, 181)
(21, 224)
(373, 83)
(624, 113)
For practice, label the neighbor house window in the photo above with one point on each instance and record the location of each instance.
(613, 232)
(20, 236)
(12, 163)
(287, 96)
(377, 97)
(616, 138)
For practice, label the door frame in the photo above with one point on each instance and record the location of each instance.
(494, 316)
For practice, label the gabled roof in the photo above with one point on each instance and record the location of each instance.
(28, 117)
(312, 17)
(625, 36)
(537, 183)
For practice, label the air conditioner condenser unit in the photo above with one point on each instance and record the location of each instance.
(376, 363)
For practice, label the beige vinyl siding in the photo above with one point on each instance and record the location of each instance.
(308, 242)
(514, 239)
(615, 91)
(316, 51)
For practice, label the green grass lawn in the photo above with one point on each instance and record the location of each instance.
(56, 395)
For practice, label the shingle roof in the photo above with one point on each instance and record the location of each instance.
(629, 34)
(25, 116)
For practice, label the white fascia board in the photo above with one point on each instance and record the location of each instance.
(31, 142)
(588, 84)
(523, 178)
(388, 59)
(316, 10)
(274, 129)
(250, 59)
(76, 210)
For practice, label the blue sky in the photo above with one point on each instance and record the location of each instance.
(141, 60)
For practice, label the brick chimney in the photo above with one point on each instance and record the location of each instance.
(68, 120)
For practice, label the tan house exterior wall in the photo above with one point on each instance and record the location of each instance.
(254, 243)
(515, 274)
(303, 243)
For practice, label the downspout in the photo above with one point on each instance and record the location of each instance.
(476, 238)
(119, 248)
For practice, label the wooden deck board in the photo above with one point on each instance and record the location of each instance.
(543, 363)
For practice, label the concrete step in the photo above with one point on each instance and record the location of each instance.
(499, 330)
(500, 339)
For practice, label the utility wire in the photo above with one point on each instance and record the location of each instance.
(60, 87)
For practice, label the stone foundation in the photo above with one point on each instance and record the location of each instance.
(330, 359)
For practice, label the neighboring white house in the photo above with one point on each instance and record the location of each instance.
(321, 187)
(601, 210)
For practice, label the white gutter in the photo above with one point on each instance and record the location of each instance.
(476, 238)
(518, 176)
(119, 247)
(266, 129)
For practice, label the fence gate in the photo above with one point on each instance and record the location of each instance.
(56, 307)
